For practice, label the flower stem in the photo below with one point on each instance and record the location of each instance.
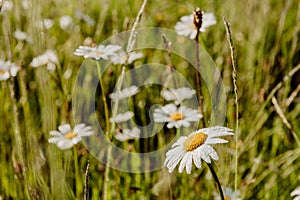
(216, 179)
(103, 98)
(86, 184)
(199, 92)
(108, 133)
(77, 177)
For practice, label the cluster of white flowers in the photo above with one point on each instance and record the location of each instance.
(22, 36)
(176, 116)
(108, 52)
(7, 70)
(48, 58)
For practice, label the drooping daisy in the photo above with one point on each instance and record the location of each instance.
(228, 194)
(176, 117)
(99, 52)
(124, 58)
(195, 147)
(296, 193)
(66, 137)
(187, 27)
(178, 95)
(8, 69)
(124, 93)
(48, 58)
(127, 134)
(121, 117)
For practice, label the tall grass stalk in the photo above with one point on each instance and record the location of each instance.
(235, 88)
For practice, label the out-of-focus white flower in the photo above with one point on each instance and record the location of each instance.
(26, 4)
(47, 23)
(48, 58)
(6, 6)
(195, 147)
(127, 134)
(178, 95)
(8, 69)
(126, 58)
(125, 93)
(176, 117)
(228, 194)
(121, 117)
(67, 74)
(187, 27)
(84, 17)
(296, 194)
(66, 137)
(99, 52)
(20, 35)
(65, 22)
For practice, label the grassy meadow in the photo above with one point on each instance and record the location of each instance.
(266, 36)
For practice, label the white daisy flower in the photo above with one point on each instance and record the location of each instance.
(8, 69)
(228, 194)
(178, 95)
(66, 137)
(296, 193)
(22, 36)
(127, 134)
(99, 52)
(124, 58)
(176, 117)
(187, 27)
(195, 147)
(65, 22)
(121, 117)
(125, 93)
(48, 58)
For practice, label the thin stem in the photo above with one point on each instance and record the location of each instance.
(216, 179)
(103, 99)
(234, 78)
(77, 177)
(108, 133)
(198, 80)
(86, 185)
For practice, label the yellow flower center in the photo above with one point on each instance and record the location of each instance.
(194, 141)
(192, 26)
(176, 116)
(2, 71)
(226, 198)
(99, 52)
(71, 135)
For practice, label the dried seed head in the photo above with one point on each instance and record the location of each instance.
(198, 15)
